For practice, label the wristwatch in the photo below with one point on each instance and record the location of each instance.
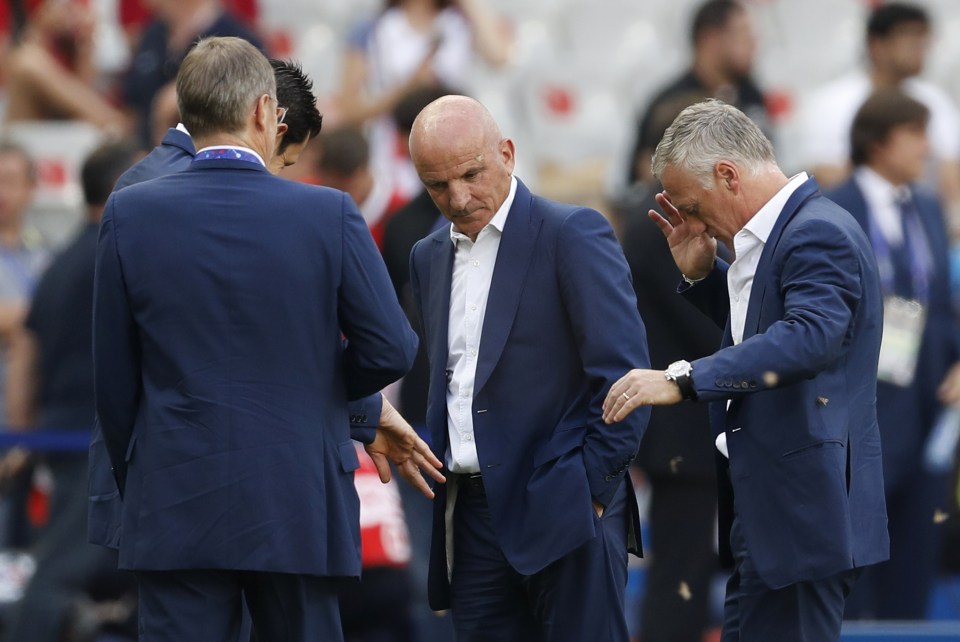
(681, 373)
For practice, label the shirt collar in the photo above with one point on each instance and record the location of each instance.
(241, 148)
(879, 189)
(763, 221)
(499, 219)
(183, 128)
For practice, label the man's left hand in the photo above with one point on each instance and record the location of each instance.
(396, 441)
(639, 388)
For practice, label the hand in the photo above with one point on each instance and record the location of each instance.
(694, 251)
(949, 391)
(639, 388)
(396, 441)
(597, 506)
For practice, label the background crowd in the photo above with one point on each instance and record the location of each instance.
(586, 88)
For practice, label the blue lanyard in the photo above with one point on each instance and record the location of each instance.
(17, 262)
(921, 261)
(224, 153)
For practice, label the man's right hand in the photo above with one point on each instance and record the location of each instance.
(397, 442)
(694, 251)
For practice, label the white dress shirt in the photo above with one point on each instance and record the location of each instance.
(473, 265)
(748, 245)
(883, 202)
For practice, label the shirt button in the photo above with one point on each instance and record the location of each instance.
(468, 437)
(737, 298)
(464, 393)
(476, 263)
(473, 307)
(473, 353)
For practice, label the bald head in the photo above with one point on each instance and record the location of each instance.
(453, 120)
(463, 160)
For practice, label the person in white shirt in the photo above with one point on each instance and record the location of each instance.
(794, 382)
(528, 317)
(898, 39)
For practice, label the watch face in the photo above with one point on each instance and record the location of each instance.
(679, 369)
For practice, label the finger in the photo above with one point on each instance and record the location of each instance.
(431, 470)
(661, 222)
(411, 473)
(383, 466)
(626, 408)
(669, 209)
(424, 449)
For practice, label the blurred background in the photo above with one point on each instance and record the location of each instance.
(585, 88)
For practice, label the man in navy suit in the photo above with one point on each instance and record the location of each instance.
(889, 151)
(793, 386)
(528, 316)
(301, 122)
(222, 297)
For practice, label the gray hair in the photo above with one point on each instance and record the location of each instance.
(218, 84)
(708, 132)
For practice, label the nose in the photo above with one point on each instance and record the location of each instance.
(459, 196)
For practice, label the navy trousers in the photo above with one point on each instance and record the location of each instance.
(206, 605)
(801, 612)
(579, 597)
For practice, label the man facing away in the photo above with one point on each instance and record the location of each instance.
(528, 316)
(794, 383)
(222, 297)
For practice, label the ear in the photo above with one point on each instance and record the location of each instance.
(507, 154)
(727, 175)
(264, 112)
(281, 130)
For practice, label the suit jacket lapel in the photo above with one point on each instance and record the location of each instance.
(436, 319)
(513, 260)
(800, 196)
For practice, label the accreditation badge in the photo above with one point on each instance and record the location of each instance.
(903, 323)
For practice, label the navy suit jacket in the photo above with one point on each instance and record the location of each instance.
(908, 413)
(173, 155)
(561, 326)
(222, 297)
(805, 462)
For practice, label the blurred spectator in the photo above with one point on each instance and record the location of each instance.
(677, 452)
(345, 165)
(724, 47)
(50, 386)
(22, 258)
(165, 41)
(377, 608)
(135, 15)
(49, 69)
(412, 43)
(918, 374)
(897, 40)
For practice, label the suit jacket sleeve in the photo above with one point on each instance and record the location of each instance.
(711, 295)
(381, 345)
(116, 349)
(364, 417)
(602, 310)
(820, 283)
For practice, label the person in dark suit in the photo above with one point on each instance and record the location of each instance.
(889, 149)
(300, 123)
(794, 384)
(528, 317)
(677, 452)
(223, 295)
